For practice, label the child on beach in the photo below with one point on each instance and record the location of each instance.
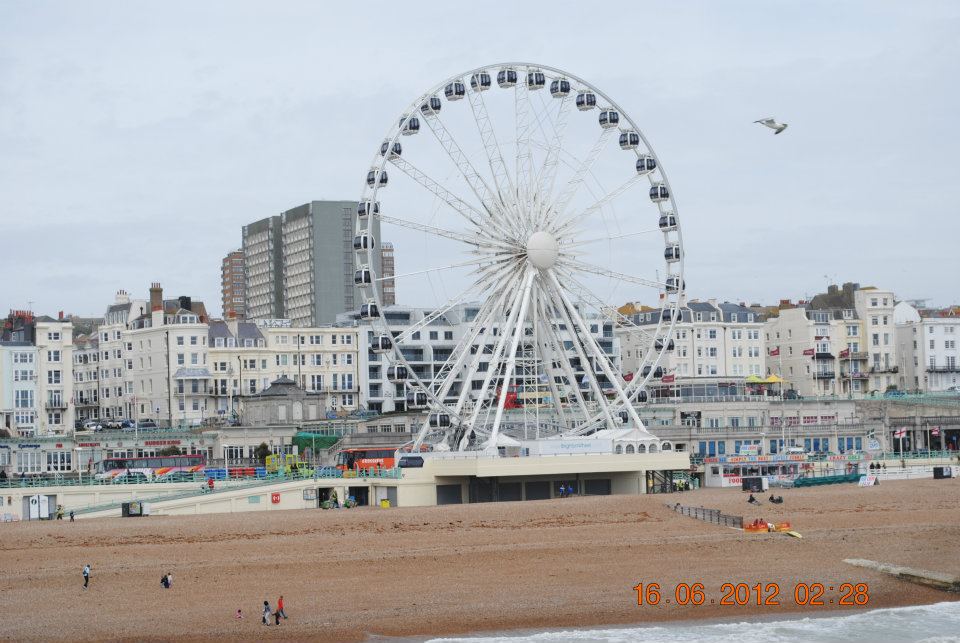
(266, 613)
(239, 613)
(86, 576)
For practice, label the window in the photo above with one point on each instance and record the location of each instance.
(54, 418)
(448, 334)
(712, 333)
(853, 331)
(53, 377)
(193, 340)
(53, 337)
(180, 359)
(346, 339)
(348, 359)
(434, 335)
(950, 344)
(180, 340)
(193, 359)
(933, 344)
(874, 321)
(53, 356)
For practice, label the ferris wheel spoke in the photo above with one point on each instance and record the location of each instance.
(501, 176)
(547, 175)
(589, 374)
(563, 227)
(597, 270)
(582, 292)
(429, 229)
(570, 190)
(572, 243)
(516, 303)
(449, 144)
(524, 159)
(600, 357)
(462, 264)
(467, 211)
(556, 350)
(450, 371)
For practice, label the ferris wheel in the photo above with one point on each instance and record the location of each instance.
(530, 203)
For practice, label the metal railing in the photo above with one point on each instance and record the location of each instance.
(714, 516)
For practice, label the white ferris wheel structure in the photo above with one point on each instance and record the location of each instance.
(538, 200)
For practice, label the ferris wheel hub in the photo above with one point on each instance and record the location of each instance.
(542, 249)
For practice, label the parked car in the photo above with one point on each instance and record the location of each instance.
(147, 424)
(894, 393)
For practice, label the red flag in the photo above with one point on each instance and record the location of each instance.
(845, 352)
(628, 377)
(775, 352)
(669, 379)
(935, 431)
(809, 352)
(900, 433)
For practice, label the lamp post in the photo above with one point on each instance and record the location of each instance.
(240, 388)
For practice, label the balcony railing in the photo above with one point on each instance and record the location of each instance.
(824, 375)
(55, 404)
(944, 369)
(856, 355)
(884, 369)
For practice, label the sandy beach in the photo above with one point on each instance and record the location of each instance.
(349, 574)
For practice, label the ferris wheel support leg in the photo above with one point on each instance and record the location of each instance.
(498, 353)
(565, 366)
(518, 333)
(578, 347)
(599, 356)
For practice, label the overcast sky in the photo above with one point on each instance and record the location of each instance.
(137, 138)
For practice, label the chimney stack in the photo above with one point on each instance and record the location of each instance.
(156, 296)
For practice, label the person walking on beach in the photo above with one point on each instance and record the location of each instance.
(86, 576)
(71, 516)
(266, 613)
(280, 611)
(562, 490)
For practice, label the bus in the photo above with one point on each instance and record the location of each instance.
(366, 458)
(168, 468)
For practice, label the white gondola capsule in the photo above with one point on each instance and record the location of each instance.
(666, 315)
(376, 175)
(624, 416)
(507, 77)
(629, 140)
(416, 399)
(455, 90)
(586, 101)
(366, 208)
(409, 126)
(641, 396)
(439, 420)
(536, 79)
(364, 241)
(646, 164)
(672, 253)
(362, 276)
(659, 193)
(673, 284)
(480, 82)
(659, 344)
(431, 106)
(668, 221)
(381, 343)
(559, 87)
(397, 374)
(609, 118)
(394, 151)
(369, 310)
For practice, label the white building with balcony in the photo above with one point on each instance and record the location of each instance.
(927, 344)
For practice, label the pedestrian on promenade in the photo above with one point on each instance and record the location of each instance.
(86, 576)
(210, 483)
(280, 611)
(266, 613)
(71, 516)
(562, 490)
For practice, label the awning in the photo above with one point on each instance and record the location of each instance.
(773, 379)
(753, 379)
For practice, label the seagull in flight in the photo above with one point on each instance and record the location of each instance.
(772, 124)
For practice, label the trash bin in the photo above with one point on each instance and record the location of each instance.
(384, 504)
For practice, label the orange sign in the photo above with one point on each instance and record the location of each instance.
(275, 498)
